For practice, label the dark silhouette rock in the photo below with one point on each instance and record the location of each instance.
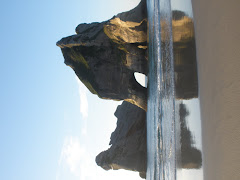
(129, 148)
(105, 55)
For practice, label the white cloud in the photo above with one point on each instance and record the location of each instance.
(77, 163)
(71, 154)
(83, 98)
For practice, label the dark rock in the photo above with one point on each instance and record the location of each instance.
(129, 148)
(105, 55)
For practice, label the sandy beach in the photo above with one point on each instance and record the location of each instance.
(217, 31)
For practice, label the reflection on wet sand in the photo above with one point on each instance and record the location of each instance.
(173, 81)
(184, 54)
(184, 50)
(186, 88)
(191, 156)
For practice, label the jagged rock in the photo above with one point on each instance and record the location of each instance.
(129, 148)
(105, 55)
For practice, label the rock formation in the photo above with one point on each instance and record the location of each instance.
(129, 148)
(105, 55)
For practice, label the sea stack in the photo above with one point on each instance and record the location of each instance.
(106, 55)
(128, 142)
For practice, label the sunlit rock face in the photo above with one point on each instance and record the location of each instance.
(129, 148)
(105, 55)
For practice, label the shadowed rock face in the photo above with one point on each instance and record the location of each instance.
(129, 148)
(105, 55)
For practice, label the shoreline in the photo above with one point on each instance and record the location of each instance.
(218, 57)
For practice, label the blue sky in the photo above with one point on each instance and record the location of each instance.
(51, 127)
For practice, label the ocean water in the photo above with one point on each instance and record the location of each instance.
(173, 118)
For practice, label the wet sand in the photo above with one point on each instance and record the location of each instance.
(217, 30)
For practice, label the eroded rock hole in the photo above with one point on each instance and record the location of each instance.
(141, 79)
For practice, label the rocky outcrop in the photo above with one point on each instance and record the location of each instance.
(105, 55)
(129, 148)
